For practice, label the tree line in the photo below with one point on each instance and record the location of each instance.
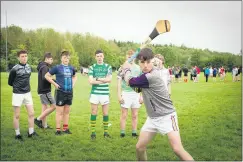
(82, 47)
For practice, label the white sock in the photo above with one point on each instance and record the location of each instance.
(31, 130)
(45, 125)
(17, 131)
(38, 118)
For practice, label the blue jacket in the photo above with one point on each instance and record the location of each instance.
(207, 71)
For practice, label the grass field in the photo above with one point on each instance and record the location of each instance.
(210, 121)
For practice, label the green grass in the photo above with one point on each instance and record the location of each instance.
(209, 114)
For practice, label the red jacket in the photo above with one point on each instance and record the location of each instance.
(198, 70)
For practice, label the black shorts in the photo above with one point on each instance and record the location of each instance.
(63, 98)
(194, 75)
(185, 74)
(176, 76)
(214, 75)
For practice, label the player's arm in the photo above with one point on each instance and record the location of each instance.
(119, 82)
(74, 77)
(93, 80)
(168, 77)
(11, 77)
(139, 82)
(48, 77)
(43, 72)
(108, 78)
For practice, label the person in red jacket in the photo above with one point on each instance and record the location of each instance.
(198, 73)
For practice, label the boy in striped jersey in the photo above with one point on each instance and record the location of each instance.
(100, 75)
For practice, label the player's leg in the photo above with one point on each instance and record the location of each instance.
(175, 142)
(66, 115)
(146, 135)
(68, 102)
(59, 97)
(94, 110)
(134, 121)
(16, 116)
(104, 101)
(169, 125)
(59, 117)
(124, 112)
(17, 100)
(30, 111)
(123, 117)
(28, 102)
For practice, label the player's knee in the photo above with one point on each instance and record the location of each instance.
(139, 147)
(16, 117)
(124, 116)
(31, 114)
(134, 117)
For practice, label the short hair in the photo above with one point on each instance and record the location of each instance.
(98, 51)
(65, 53)
(161, 57)
(130, 52)
(145, 54)
(21, 52)
(47, 55)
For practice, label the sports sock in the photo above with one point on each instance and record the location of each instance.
(31, 130)
(65, 127)
(122, 131)
(134, 131)
(93, 123)
(17, 131)
(105, 123)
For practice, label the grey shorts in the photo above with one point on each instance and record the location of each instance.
(47, 99)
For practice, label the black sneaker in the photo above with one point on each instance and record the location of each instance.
(34, 134)
(122, 135)
(134, 135)
(38, 123)
(67, 131)
(19, 137)
(93, 136)
(107, 135)
(58, 133)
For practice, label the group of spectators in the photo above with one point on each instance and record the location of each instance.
(209, 72)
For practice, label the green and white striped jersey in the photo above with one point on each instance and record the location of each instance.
(100, 71)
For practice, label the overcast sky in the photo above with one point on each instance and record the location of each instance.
(212, 25)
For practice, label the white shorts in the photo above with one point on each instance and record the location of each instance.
(162, 125)
(19, 99)
(102, 99)
(131, 100)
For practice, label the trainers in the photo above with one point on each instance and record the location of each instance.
(32, 134)
(93, 136)
(58, 133)
(19, 137)
(38, 123)
(122, 135)
(134, 135)
(67, 131)
(107, 135)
